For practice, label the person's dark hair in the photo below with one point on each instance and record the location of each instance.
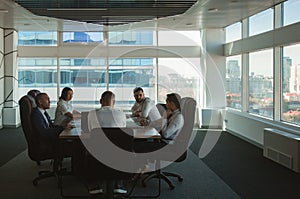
(38, 97)
(107, 96)
(137, 89)
(64, 93)
(33, 93)
(175, 98)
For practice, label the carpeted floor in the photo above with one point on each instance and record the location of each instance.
(199, 182)
(12, 142)
(242, 166)
(233, 164)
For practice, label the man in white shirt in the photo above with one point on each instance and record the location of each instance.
(107, 116)
(144, 108)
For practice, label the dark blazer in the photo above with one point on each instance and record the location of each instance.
(41, 126)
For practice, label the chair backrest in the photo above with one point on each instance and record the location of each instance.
(84, 121)
(120, 137)
(181, 142)
(161, 108)
(36, 152)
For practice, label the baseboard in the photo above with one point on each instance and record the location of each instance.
(11, 126)
(245, 139)
(211, 127)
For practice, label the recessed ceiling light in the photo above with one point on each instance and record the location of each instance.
(213, 10)
(76, 9)
(3, 11)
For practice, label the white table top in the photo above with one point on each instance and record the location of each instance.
(139, 132)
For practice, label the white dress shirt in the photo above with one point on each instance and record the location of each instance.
(169, 128)
(62, 108)
(106, 116)
(143, 107)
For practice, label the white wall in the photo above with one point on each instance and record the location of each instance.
(252, 127)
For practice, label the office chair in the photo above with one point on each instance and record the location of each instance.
(161, 108)
(188, 109)
(36, 151)
(123, 139)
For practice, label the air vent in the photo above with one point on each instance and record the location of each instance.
(283, 159)
(282, 147)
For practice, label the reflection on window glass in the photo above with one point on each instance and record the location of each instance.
(130, 38)
(291, 84)
(178, 75)
(261, 22)
(291, 12)
(261, 83)
(88, 77)
(86, 37)
(233, 32)
(38, 73)
(37, 38)
(34, 62)
(233, 82)
(81, 62)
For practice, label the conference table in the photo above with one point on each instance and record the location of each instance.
(139, 132)
(76, 133)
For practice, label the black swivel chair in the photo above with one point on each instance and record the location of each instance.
(178, 150)
(121, 138)
(36, 151)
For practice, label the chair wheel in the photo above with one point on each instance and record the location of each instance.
(35, 182)
(172, 187)
(144, 184)
(180, 179)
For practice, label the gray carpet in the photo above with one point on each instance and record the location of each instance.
(12, 143)
(199, 182)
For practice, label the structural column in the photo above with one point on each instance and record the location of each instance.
(10, 109)
(214, 70)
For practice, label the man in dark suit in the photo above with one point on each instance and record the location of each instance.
(42, 123)
(48, 132)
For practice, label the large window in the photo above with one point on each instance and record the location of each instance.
(233, 82)
(89, 74)
(131, 38)
(291, 12)
(82, 37)
(88, 77)
(38, 73)
(261, 83)
(291, 84)
(261, 22)
(37, 38)
(233, 32)
(178, 75)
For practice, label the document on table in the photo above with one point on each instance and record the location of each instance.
(146, 133)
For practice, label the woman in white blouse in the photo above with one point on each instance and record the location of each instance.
(64, 110)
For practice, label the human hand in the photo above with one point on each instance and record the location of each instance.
(168, 113)
(143, 122)
(137, 113)
(68, 114)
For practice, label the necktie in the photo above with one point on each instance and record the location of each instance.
(48, 118)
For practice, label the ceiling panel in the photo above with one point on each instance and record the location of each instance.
(82, 15)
